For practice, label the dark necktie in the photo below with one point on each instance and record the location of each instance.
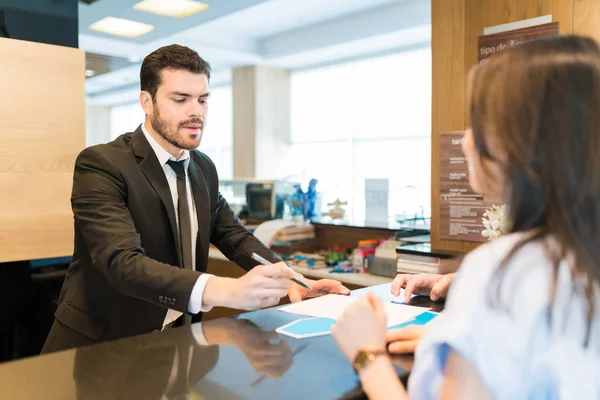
(185, 228)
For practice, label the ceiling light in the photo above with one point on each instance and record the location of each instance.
(90, 72)
(171, 8)
(121, 27)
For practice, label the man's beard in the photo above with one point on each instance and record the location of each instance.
(161, 127)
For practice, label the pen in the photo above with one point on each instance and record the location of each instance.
(264, 261)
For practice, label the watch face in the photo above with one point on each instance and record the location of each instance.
(362, 359)
(365, 357)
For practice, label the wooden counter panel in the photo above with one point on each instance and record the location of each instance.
(42, 109)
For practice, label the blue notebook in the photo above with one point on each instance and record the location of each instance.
(310, 327)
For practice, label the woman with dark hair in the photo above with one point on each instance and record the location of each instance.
(522, 319)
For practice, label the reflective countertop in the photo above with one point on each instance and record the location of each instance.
(229, 358)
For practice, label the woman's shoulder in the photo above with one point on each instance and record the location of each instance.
(515, 253)
(500, 312)
(495, 251)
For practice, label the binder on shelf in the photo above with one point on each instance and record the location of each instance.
(420, 258)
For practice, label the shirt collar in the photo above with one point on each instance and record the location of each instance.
(163, 155)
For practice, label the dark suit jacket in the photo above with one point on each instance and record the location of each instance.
(125, 272)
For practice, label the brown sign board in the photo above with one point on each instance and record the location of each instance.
(461, 209)
(495, 43)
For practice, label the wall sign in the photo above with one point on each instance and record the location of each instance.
(495, 43)
(461, 209)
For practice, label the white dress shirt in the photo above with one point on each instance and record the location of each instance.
(195, 305)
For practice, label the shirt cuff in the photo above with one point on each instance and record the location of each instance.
(195, 306)
(198, 334)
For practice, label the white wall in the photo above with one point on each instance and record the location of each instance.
(261, 122)
(125, 118)
(97, 124)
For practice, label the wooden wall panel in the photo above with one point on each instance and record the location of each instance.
(586, 18)
(480, 14)
(42, 109)
(456, 26)
(561, 10)
(447, 101)
(31, 236)
(36, 143)
(44, 193)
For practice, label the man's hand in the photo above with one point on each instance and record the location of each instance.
(434, 285)
(263, 286)
(317, 288)
(265, 350)
(268, 353)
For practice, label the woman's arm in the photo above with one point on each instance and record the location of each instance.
(380, 381)
(362, 327)
(461, 380)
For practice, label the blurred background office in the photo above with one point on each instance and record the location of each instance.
(338, 91)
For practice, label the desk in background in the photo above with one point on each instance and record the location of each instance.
(359, 280)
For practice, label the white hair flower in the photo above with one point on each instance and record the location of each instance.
(494, 222)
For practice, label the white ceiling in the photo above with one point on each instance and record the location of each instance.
(233, 33)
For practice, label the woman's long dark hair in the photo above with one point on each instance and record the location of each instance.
(539, 105)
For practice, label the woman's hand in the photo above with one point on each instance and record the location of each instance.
(361, 327)
(434, 285)
(405, 340)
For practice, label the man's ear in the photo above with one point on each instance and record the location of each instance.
(146, 102)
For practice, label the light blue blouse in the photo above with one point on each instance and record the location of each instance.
(516, 350)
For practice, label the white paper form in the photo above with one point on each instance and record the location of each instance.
(333, 306)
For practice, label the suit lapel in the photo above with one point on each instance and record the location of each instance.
(201, 200)
(153, 171)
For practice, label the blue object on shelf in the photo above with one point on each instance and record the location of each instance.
(341, 269)
(310, 199)
(303, 203)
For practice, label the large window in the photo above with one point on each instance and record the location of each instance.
(217, 140)
(366, 119)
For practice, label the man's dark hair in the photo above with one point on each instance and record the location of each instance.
(172, 57)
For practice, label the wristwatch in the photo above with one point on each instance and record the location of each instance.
(366, 357)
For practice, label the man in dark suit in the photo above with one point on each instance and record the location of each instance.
(146, 207)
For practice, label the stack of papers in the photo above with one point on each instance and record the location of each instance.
(327, 309)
